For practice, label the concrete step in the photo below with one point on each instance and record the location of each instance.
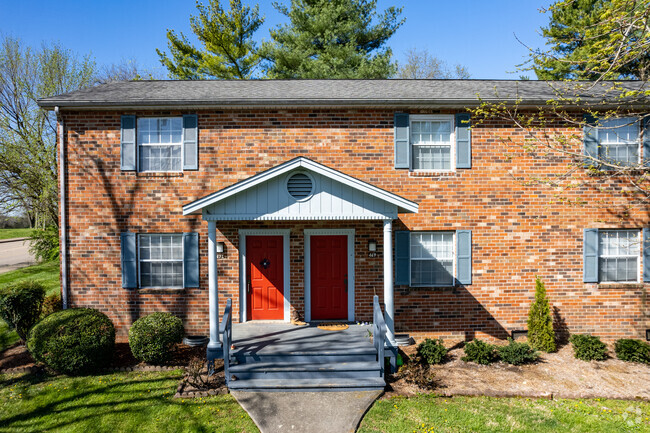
(314, 385)
(279, 356)
(305, 370)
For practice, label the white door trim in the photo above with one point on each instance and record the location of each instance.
(329, 232)
(243, 299)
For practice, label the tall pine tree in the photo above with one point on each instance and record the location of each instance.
(332, 39)
(596, 39)
(229, 50)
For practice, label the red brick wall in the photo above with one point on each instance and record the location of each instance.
(518, 231)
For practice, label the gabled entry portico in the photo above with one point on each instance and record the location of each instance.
(300, 190)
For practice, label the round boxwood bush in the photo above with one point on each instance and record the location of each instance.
(480, 352)
(74, 341)
(20, 305)
(151, 337)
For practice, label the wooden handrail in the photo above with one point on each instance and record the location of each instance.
(225, 329)
(379, 331)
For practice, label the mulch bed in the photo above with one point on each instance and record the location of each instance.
(204, 384)
(555, 375)
(17, 359)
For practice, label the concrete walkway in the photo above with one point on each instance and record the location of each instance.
(307, 412)
(14, 254)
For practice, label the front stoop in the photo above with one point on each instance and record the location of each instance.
(281, 369)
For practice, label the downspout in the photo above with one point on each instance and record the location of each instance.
(63, 228)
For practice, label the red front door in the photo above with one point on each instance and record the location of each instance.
(329, 277)
(265, 274)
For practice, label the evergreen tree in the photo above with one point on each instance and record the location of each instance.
(332, 39)
(540, 324)
(228, 51)
(596, 39)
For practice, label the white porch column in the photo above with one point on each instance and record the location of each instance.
(388, 281)
(214, 346)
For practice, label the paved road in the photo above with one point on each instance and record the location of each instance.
(15, 255)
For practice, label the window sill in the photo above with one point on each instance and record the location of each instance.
(160, 290)
(159, 174)
(620, 285)
(426, 173)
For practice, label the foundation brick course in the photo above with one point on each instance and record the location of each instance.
(518, 231)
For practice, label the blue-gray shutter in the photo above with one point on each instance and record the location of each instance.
(191, 259)
(464, 257)
(646, 255)
(590, 140)
(402, 141)
(129, 260)
(190, 142)
(463, 141)
(127, 140)
(402, 257)
(646, 141)
(590, 256)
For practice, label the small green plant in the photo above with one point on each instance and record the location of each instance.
(44, 243)
(432, 351)
(74, 341)
(480, 352)
(51, 304)
(632, 350)
(152, 337)
(516, 353)
(21, 304)
(588, 347)
(540, 323)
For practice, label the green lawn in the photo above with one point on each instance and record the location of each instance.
(47, 273)
(428, 413)
(122, 402)
(15, 233)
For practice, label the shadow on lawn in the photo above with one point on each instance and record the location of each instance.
(110, 395)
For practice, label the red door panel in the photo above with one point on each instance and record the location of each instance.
(265, 273)
(329, 276)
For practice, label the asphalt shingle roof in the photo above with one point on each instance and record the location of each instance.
(223, 93)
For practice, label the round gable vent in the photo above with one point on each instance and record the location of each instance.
(300, 186)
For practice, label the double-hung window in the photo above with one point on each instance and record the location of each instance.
(432, 258)
(160, 142)
(619, 140)
(432, 139)
(161, 260)
(618, 255)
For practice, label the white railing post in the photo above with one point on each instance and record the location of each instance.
(214, 346)
(389, 305)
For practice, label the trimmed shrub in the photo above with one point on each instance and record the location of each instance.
(479, 352)
(51, 304)
(540, 324)
(151, 337)
(44, 243)
(588, 347)
(516, 353)
(632, 350)
(21, 304)
(432, 351)
(74, 341)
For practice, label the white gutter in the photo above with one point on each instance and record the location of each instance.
(63, 229)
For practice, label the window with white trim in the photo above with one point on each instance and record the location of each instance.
(160, 258)
(160, 142)
(432, 258)
(618, 255)
(619, 140)
(432, 139)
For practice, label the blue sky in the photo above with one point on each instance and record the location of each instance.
(478, 34)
